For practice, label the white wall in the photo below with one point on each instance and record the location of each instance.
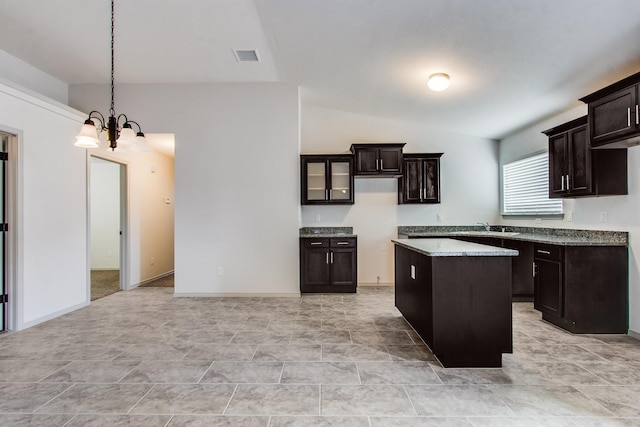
(622, 211)
(469, 182)
(51, 270)
(16, 71)
(105, 214)
(236, 179)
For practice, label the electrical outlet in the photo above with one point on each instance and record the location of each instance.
(220, 271)
(317, 217)
(538, 221)
(439, 217)
(604, 216)
(152, 261)
(569, 216)
(383, 247)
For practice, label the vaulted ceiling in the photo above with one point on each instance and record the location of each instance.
(512, 62)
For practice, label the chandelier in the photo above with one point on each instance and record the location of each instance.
(117, 135)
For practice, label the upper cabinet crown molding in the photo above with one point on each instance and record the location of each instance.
(378, 160)
(614, 114)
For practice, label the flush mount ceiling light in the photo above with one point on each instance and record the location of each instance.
(438, 82)
(88, 135)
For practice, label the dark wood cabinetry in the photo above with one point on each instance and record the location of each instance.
(548, 279)
(583, 289)
(377, 160)
(522, 265)
(326, 179)
(328, 264)
(614, 116)
(460, 306)
(577, 171)
(420, 179)
(522, 286)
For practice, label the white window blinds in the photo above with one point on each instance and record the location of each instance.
(526, 187)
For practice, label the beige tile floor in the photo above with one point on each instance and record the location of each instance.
(145, 358)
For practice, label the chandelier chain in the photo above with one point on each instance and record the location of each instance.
(112, 111)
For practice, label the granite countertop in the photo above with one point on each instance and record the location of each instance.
(452, 247)
(315, 232)
(554, 236)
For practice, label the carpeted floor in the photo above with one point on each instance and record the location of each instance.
(162, 282)
(107, 282)
(104, 282)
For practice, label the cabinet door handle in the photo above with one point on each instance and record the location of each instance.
(540, 251)
(381, 165)
(562, 183)
(568, 185)
(331, 257)
(327, 258)
(637, 119)
(533, 272)
(343, 243)
(316, 243)
(326, 194)
(628, 116)
(378, 164)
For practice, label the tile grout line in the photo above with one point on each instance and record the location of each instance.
(230, 399)
(141, 399)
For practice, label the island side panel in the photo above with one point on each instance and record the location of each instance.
(471, 310)
(413, 291)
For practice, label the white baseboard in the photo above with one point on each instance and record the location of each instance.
(634, 334)
(364, 284)
(234, 295)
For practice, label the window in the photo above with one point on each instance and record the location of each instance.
(525, 188)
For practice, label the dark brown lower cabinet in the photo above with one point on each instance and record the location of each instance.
(522, 265)
(328, 264)
(583, 289)
(460, 306)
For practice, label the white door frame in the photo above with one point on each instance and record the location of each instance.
(12, 257)
(124, 219)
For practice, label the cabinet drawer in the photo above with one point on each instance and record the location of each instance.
(550, 252)
(347, 242)
(316, 243)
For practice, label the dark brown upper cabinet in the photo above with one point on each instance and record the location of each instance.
(420, 179)
(614, 114)
(327, 179)
(377, 160)
(575, 170)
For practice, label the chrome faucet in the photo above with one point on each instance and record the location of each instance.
(485, 225)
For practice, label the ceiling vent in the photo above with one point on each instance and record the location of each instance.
(246, 55)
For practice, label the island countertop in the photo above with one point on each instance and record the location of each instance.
(452, 248)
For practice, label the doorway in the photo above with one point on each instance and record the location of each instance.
(107, 198)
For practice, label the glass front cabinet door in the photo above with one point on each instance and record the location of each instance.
(326, 179)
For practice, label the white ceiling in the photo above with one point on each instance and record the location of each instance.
(512, 62)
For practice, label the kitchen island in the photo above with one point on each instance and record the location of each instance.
(457, 296)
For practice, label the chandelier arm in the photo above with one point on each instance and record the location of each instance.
(135, 123)
(126, 120)
(98, 115)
